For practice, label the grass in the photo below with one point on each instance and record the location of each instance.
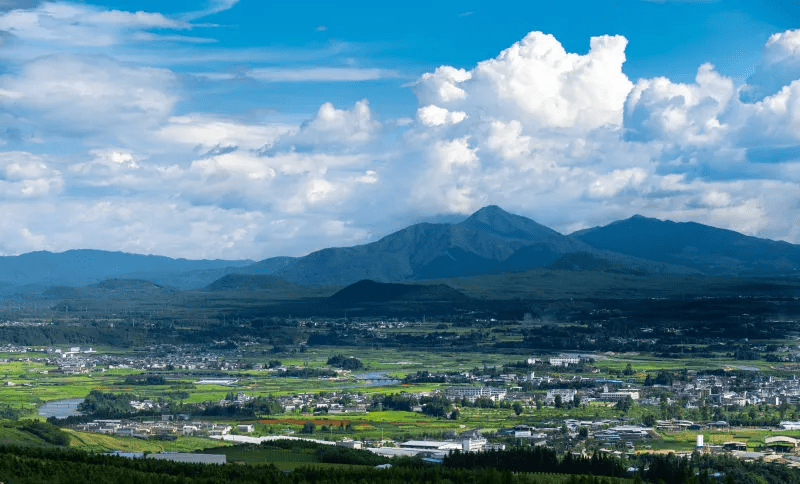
(107, 443)
(12, 434)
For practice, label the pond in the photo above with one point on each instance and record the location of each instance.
(61, 408)
(375, 379)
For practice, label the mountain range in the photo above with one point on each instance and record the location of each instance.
(490, 241)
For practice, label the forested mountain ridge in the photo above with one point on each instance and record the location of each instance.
(490, 241)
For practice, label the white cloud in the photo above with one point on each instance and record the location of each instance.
(450, 154)
(81, 25)
(341, 128)
(27, 176)
(141, 226)
(432, 115)
(150, 37)
(441, 86)
(107, 159)
(69, 94)
(507, 141)
(212, 7)
(611, 184)
(207, 132)
(537, 82)
(569, 140)
(780, 67)
(658, 109)
(240, 163)
(774, 121)
(318, 74)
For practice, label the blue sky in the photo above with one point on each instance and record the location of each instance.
(248, 129)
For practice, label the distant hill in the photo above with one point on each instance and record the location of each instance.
(367, 291)
(82, 267)
(707, 249)
(117, 289)
(200, 278)
(249, 283)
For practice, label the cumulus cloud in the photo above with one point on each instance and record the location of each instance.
(432, 115)
(658, 109)
(773, 122)
(781, 66)
(80, 95)
(569, 140)
(537, 82)
(519, 124)
(342, 129)
(507, 141)
(442, 86)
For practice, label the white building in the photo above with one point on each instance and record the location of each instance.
(565, 360)
(473, 445)
(566, 394)
(473, 393)
(621, 395)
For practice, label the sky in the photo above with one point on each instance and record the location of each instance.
(248, 129)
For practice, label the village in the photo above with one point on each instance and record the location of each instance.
(666, 402)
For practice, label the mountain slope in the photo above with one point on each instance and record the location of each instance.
(200, 278)
(113, 289)
(249, 283)
(489, 241)
(708, 249)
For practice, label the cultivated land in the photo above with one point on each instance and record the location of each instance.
(640, 374)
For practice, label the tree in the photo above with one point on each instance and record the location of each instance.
(558, 402)
(628, 370)
(345, 362)
(625, 404)
(517, 407)
(309, 428)
(782, 409)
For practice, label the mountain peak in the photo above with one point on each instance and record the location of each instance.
(499, 222)
(490, 210)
